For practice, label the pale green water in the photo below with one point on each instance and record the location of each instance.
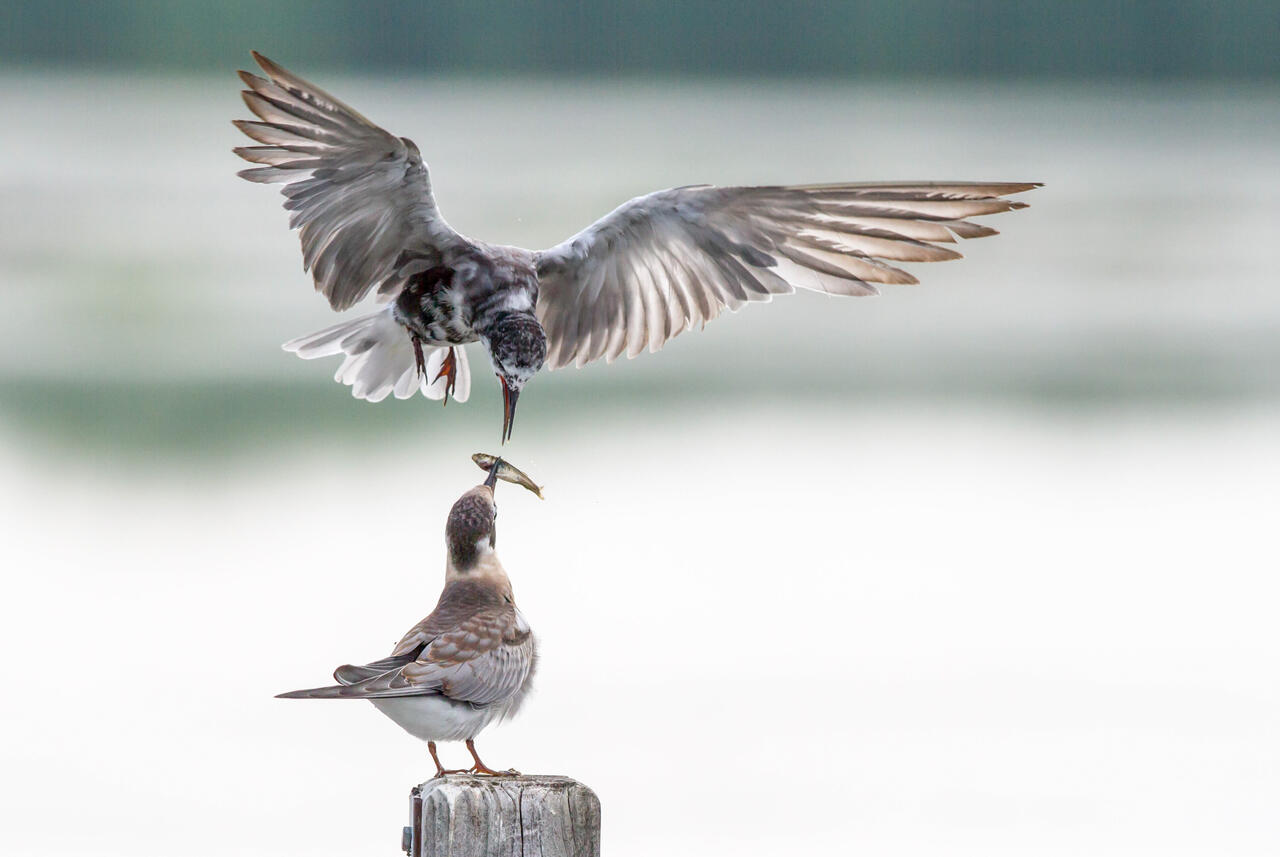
(148, 289)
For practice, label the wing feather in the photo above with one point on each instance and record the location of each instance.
(673, 260)
(474, 647)
(359, 196)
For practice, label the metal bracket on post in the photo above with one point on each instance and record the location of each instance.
(411, 836)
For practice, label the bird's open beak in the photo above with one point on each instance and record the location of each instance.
(509, 398)
(492, 479)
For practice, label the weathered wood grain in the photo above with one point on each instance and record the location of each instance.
(527, 816)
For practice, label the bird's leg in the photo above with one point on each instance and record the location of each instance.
(417, 354)
(481, 768)
(449, 370)
(440, 769)
(431, 748)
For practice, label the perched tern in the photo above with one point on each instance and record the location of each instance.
(469, 663)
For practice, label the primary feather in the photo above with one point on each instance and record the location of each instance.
(675, 259)
(359, 196)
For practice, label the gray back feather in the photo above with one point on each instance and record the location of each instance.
(474, 647)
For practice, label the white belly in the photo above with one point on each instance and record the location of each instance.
(436, 718)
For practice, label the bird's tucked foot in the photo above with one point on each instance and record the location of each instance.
(417, 355)
(449, 371)
(481, 768)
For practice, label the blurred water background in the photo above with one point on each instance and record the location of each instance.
(981, 566)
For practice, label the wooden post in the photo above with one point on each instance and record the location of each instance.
(461, 815)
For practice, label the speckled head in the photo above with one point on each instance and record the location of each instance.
(470, 531)
(518, 347)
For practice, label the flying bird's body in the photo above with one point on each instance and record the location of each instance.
(656, 266)
(466, 293)
(467, 665)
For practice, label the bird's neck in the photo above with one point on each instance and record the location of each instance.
(502, 308)
(485, 568)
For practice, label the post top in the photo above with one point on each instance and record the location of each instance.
(466, 815)
(520, 781)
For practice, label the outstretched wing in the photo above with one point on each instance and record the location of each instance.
(360, 196)
(672, 260)
(482, 659)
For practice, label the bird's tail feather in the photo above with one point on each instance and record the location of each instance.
(380, 359)
(335, 692)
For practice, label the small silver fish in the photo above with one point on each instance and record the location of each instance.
(507, 472)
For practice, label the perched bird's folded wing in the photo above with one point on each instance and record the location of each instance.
(352, 673)
(360, 195)
(663, 263)
(482, 660)
(485, 659)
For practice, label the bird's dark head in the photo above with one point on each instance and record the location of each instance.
(517, 346)
(470, 531)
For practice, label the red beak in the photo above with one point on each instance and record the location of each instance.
(509, 398)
